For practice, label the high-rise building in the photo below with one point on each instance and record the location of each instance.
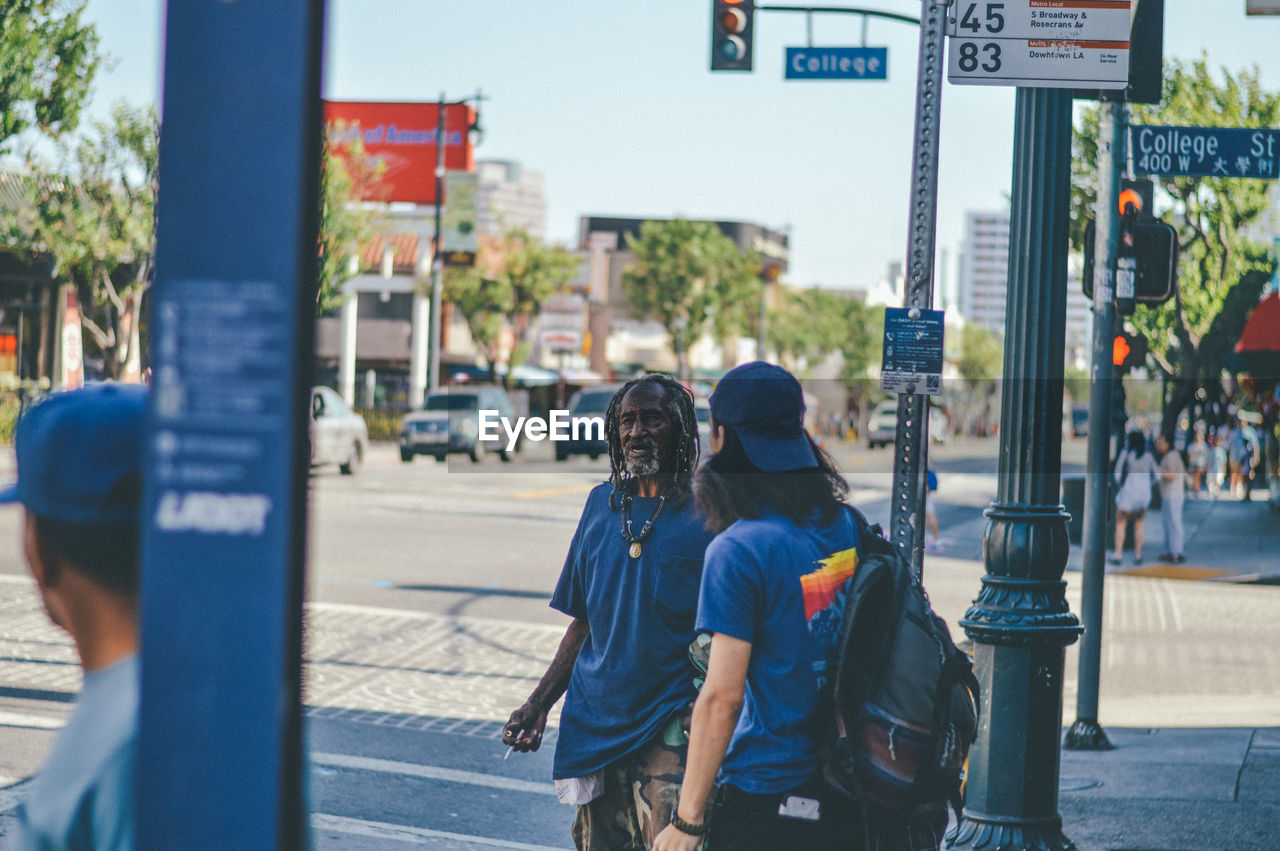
(509, 196)
(984, 277)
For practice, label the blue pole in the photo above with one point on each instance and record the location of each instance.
(220, 744)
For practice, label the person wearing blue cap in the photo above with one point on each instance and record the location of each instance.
(770, 600)
(80, 458)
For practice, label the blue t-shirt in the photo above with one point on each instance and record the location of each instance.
(633, 671)
(83, 796)
(779, 586)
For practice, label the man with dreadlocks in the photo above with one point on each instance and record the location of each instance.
(630, 583)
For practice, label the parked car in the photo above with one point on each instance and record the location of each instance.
(882, 426)
(587, 403)
(702, 410)
(1076, 422)
(449, 424)
(338, 434)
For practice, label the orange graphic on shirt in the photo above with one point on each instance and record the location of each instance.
(821, 586)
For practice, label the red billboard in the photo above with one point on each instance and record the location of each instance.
(402, 138)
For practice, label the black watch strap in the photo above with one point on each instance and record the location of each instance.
(687, 827)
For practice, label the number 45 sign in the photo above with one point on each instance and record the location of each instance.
(1040, 43)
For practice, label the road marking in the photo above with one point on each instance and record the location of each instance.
(37, 722)
(431, 772)
(560, 491)
(403, 833)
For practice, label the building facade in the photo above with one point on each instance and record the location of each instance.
(984, 276)
(508, 196)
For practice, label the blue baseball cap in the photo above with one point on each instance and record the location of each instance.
(77, 449)
(765, 406)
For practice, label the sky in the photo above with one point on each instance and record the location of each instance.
(612, 101)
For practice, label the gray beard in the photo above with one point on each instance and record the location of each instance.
(645, 465)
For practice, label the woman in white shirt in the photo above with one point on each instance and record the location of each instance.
(1136, 472)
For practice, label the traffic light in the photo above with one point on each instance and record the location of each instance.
(1128, 350)
(731, 34)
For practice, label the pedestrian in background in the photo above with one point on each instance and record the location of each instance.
(1217, 465)
(931, 516)
(632, 596)
(1136, 472)
(80, 457)
(1173, 476)
(1197, 462)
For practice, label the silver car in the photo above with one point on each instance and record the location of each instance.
(338, 434)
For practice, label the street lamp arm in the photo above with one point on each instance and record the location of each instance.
(871, 13)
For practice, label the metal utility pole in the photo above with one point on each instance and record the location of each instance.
(906, 522)
(1086, 733)
(1020, 622)
(437, 258)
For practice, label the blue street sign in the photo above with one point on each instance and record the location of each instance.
(1205, 151)
(220, 745)
(837, 63)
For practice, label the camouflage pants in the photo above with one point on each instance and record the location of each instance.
(640, 792)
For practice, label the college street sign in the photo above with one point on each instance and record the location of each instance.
(1205, 151)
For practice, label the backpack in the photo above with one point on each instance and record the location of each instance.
(904, 698)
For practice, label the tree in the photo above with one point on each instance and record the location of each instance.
(688, 275)
(507, 286)
(484, 303)
(981, 355)
(48, 58)
(1221, 270)
(532, 271)
(808, 325)
(93, 211)
(347, 179)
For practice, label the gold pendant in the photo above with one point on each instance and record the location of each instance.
(635, 549)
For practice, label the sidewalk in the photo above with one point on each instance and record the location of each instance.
(1189, 688)
(1226, 540)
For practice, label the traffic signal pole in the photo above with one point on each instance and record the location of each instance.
(1086, 733)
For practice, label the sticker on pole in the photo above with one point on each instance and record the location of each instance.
(912, 351)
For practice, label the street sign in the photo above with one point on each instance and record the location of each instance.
(1205, 151)
(912, 351)
(1077, 20)
(563, 319)
(837, 63)
(458, 221)
(1262, 7)
(1038, 63)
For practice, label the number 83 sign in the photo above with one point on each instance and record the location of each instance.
(1040, 43)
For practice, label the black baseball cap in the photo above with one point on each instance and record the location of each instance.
(764, 405)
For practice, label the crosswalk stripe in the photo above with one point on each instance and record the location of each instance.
(38, 722)
(404, 833)
(431, 772)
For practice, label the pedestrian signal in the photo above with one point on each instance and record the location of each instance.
(1128, 350)
(1155, 257)
(731, 34)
